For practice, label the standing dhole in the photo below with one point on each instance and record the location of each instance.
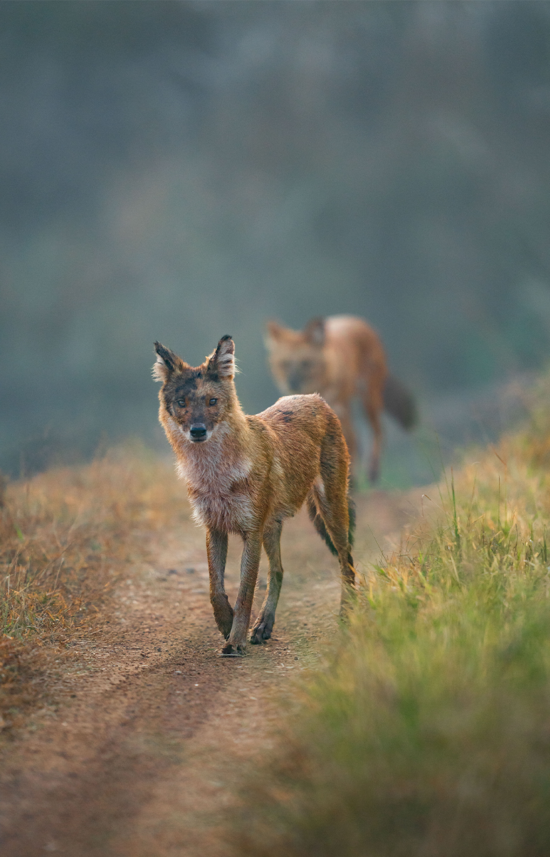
(341, 358)
(246, 474)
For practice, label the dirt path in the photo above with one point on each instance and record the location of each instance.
(147, 725)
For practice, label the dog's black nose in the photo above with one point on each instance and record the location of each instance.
(198, 432)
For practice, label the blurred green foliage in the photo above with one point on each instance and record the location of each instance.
(180, 170)
(427, 732)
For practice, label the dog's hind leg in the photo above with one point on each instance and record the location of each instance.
(265, 621)
(333, 506)
(216, 549)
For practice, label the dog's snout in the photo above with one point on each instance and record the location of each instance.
(294, 381)
(198, 431)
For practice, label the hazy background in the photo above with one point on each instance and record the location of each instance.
(181, 170)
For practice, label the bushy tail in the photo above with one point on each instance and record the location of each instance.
(399, 403)
(319, 524)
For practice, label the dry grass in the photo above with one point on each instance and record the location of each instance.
(65, 536)
(429, 733)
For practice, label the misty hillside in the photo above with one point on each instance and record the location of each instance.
(177, 171)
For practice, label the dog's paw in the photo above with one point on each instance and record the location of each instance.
(261, 632)
(223, 615)
(230, 651)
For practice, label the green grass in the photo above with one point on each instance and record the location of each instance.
(429, 732)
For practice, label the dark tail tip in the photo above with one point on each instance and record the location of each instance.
(399, 403)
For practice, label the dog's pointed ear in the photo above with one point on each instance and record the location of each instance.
(222, 361)
(314, 331)
(274, 332)
(167, 363)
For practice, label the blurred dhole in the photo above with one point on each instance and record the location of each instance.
(341, 358)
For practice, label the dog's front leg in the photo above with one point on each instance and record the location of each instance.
(249, 572)
(216, 549)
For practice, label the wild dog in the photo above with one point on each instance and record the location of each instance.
(246, 474)
(341, 358)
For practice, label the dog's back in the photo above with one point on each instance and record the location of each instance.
(302, 432)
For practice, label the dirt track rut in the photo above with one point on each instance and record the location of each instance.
(147, 727)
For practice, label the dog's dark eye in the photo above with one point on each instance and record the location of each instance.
(212, 401)
(180, 403)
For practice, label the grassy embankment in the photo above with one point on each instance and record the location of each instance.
(429, 734)
(65, 537)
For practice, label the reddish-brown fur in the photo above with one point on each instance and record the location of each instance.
(341, 358)
(246, 474)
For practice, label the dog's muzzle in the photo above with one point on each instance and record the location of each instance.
(295, 381)
(198, 432)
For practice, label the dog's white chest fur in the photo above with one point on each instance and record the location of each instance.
(216, 490)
